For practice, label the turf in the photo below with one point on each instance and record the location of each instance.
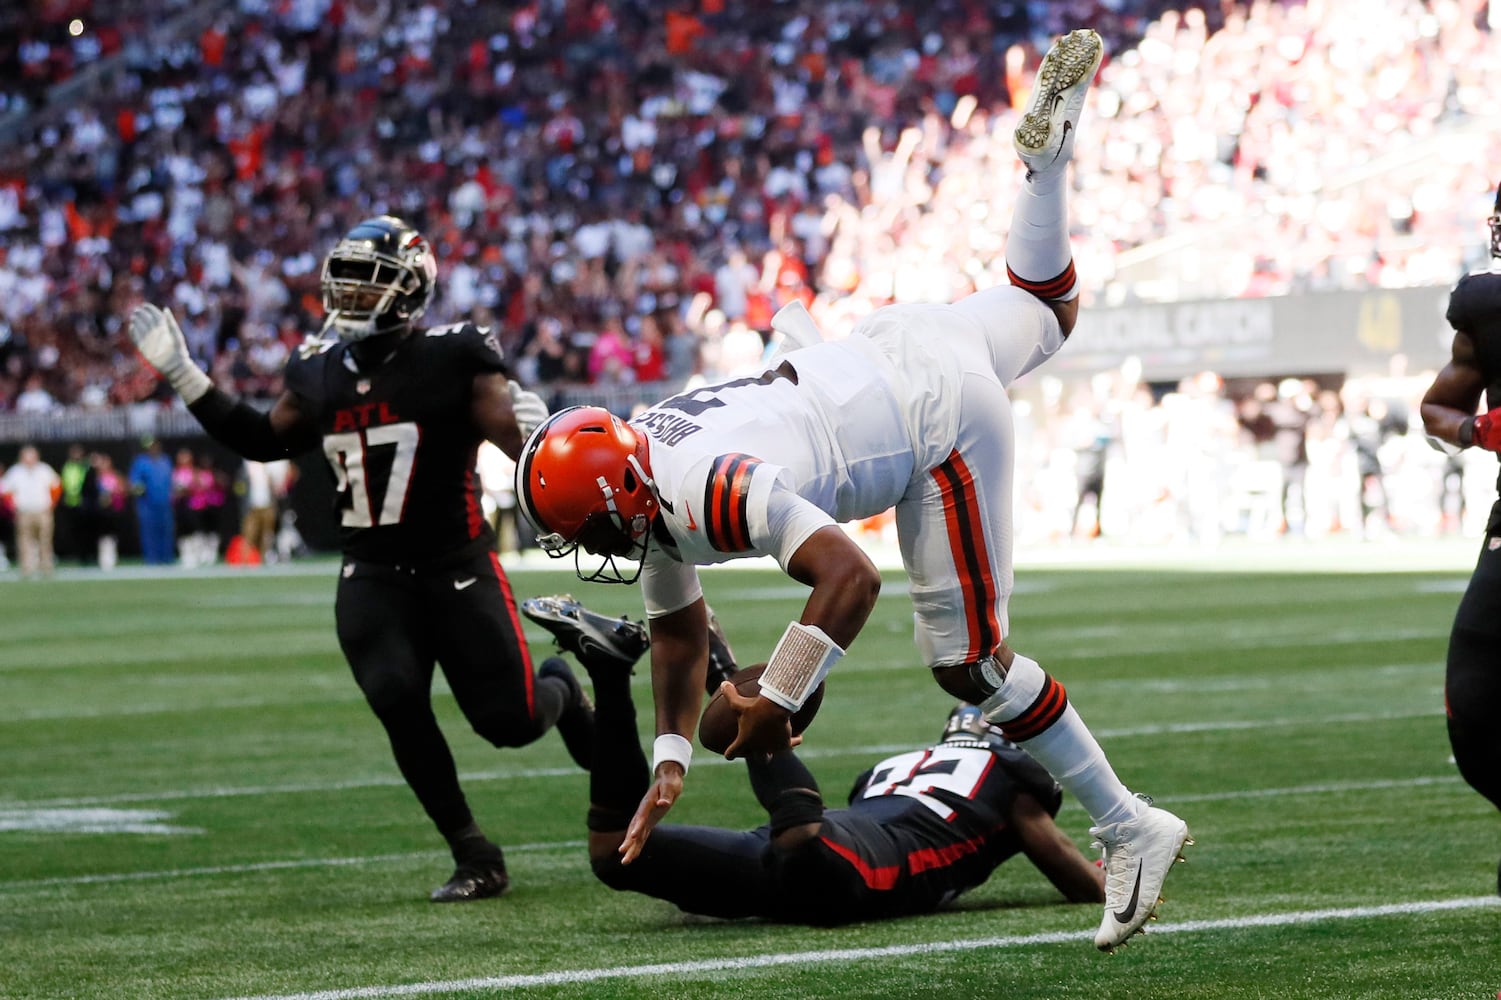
(250, 835)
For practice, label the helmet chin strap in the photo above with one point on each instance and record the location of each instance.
(643, 475)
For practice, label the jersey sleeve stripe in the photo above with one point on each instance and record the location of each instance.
(727, 503)
(966, 531)
(1050, 289)
(1042, 713)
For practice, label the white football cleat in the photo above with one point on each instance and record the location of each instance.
(1138, 855)
(1044, 138)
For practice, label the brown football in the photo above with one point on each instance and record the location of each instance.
(719, 725)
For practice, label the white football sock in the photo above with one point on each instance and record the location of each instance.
(1038, 255)
(1032, 709)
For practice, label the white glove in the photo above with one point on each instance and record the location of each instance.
(160, 341)
(530, 410)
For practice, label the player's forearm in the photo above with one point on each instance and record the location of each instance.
(845, 584)
(679, 662)
(1448, 424)
(242, 428)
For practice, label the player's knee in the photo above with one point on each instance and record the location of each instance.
(392, 699)
(974, 682)
(507, 729)
(608, 869)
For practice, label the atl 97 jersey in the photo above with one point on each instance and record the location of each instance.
(400, 441)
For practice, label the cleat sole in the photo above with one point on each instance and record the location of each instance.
(1076, 54)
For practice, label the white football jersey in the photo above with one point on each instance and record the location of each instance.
(837, 438)
(909, 412)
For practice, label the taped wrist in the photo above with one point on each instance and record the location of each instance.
(243, 428)
(1467, 432)
(187, 380)
(795, 807)
(671, 746)
(802, 659)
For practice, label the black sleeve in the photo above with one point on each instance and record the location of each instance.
(858, 788)
(481, 351)
(772, 774)
(244, 429)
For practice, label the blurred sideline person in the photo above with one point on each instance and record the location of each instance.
(1472, 681)
(32, 487)
(73, 528)
(910, 412)
(399, 412)
(108, 498)
(266, 486)
(921, 827)
(150, 478)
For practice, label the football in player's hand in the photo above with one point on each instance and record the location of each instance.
(719, 725)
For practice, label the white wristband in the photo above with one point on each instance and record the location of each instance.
(671, 746)
(802, 659)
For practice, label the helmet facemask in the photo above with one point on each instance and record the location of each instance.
(1495, 223)
(586, 492)
(377, 280)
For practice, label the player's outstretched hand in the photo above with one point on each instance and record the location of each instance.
(664, 791)
(1488, 430)
(157, 336)
(529, 408)
(765, 726)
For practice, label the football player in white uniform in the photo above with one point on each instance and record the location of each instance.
(908, 412)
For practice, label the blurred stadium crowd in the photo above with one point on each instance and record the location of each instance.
(627, 190)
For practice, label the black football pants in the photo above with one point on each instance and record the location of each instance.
(395, 623)
(1472, 687)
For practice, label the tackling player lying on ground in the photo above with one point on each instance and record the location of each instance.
(910, 413)
(399, 411)
(920, 829)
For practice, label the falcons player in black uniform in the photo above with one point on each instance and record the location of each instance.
(1472, 685)
(400, 412)
(920, 828)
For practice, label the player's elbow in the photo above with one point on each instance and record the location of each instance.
(861, 583)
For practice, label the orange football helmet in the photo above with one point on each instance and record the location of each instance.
(583, 481)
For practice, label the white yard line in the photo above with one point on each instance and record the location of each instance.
(810, 753)
(31, 885)
(847, 955)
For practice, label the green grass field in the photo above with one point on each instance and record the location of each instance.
(195, 802)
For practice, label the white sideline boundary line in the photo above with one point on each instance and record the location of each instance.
(248, 868)
(837, 955)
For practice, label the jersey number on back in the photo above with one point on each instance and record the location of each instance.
(351, 456)
(958, 770)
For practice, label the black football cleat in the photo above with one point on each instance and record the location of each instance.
(476, 880)
(597, 640)
(576, 724)
(721, 658)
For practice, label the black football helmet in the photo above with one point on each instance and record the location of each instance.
(378, 279)
(1495, 223)
(967, 724)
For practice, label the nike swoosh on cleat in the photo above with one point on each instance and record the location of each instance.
(1124, 916)
(462, 584)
